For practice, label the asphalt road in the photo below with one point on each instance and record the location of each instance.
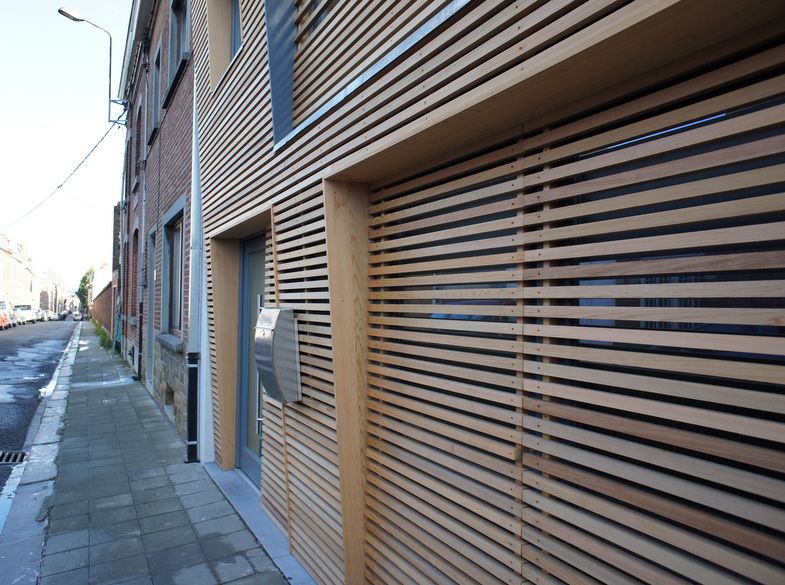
(28, 357)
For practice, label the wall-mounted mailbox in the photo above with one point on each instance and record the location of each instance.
(277, 354)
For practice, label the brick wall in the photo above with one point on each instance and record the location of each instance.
(158, 182)
(102, 307)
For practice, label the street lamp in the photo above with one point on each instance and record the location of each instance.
(71, 15)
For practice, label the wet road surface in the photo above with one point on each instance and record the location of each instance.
(28, 357)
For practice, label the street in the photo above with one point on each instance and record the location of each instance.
(28, 358)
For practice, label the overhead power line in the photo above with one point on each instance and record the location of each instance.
(71, 174)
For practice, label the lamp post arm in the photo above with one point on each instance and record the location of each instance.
(109, 93)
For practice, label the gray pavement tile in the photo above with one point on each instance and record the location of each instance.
(146, 484)
(115, 531)
(193, 575)
(158, 507)
(70, 495)
(68, 524)
(109, 474)
(138, 464)
(146, 473)
(224, 546)
(170, 538)
(231, 568)
(207, 496)
(67, 541)
(106, 461)
(137, 581)
(64, 561)
(116, 549)
(266, 578)
(112, 516)
(193, 487)
(111, 502)
(178, 468)
(69, 509)
(209, 511)
(75, 577)
(260, 560)
(154, 494)
(173, 559)
(171, 455)
(192, 474)
(218, 527)
(106, 489)
(119, 570)
(163, 521)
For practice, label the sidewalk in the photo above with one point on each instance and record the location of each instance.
(124, 507)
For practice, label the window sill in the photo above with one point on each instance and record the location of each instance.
(170, 342)
(153, 134)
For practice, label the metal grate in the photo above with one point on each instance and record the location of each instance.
(12, 457)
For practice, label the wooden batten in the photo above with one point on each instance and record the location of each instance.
(225, 255)
(345, 211)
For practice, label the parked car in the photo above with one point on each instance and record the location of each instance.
(5, 315)
(26, 313)
(51, 316)
(16, 317)
(77, 316)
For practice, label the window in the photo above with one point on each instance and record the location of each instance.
(156, 95)
(174, 275)
(224, 35)
(179, 43)
(137, 138)
(236, 35)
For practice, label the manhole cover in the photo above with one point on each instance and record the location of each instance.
(11, 457)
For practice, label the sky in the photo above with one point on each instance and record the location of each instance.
(53, 109)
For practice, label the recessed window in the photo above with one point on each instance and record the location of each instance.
(179, 43)
(224, 35)
(174, 276)
(156, 95)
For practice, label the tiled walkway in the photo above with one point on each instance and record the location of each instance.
(125, 508)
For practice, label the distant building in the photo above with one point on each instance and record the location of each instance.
(17, 276)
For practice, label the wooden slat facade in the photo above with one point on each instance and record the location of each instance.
(571, 368)
(337, 40)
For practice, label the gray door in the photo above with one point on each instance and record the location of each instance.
(249, 439)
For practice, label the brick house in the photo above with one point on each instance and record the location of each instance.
(158, 88)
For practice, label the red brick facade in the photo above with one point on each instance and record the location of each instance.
(157, 193)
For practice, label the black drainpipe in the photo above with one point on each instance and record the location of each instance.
(192, 428)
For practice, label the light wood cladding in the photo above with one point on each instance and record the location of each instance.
(576, 358)
(574, 333)
(339, 40)
(309, 443)
(223, 286)
(346, 211)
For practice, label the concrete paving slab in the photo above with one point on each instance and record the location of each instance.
(116, 514)
(67, 541)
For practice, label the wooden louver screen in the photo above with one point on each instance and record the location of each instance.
(576, 350)
(303, 481)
